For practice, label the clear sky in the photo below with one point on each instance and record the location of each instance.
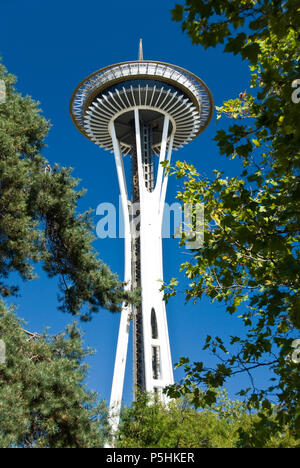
(53, 45)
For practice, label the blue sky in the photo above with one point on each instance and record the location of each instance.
(53, 45)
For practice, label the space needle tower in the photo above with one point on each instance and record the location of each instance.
(142, 110)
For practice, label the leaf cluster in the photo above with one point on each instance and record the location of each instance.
(250, 258)
(224, 424)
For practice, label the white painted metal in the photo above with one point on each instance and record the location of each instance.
(165, 182)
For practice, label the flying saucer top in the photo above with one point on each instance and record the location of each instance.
(148, 85)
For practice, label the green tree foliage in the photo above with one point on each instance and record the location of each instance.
(150, 424)
(43, 400)
(250, 256)
(38, 218)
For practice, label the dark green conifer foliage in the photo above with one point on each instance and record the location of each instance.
(38, 219)
(43, 400)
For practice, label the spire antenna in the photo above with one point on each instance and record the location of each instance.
(141, 50)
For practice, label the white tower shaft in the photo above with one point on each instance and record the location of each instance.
(155, 347)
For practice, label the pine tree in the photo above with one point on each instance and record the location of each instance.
(38, 217)
(43, 400)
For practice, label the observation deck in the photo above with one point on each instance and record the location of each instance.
(155, 88)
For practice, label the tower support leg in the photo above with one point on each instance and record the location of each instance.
(122, 346)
